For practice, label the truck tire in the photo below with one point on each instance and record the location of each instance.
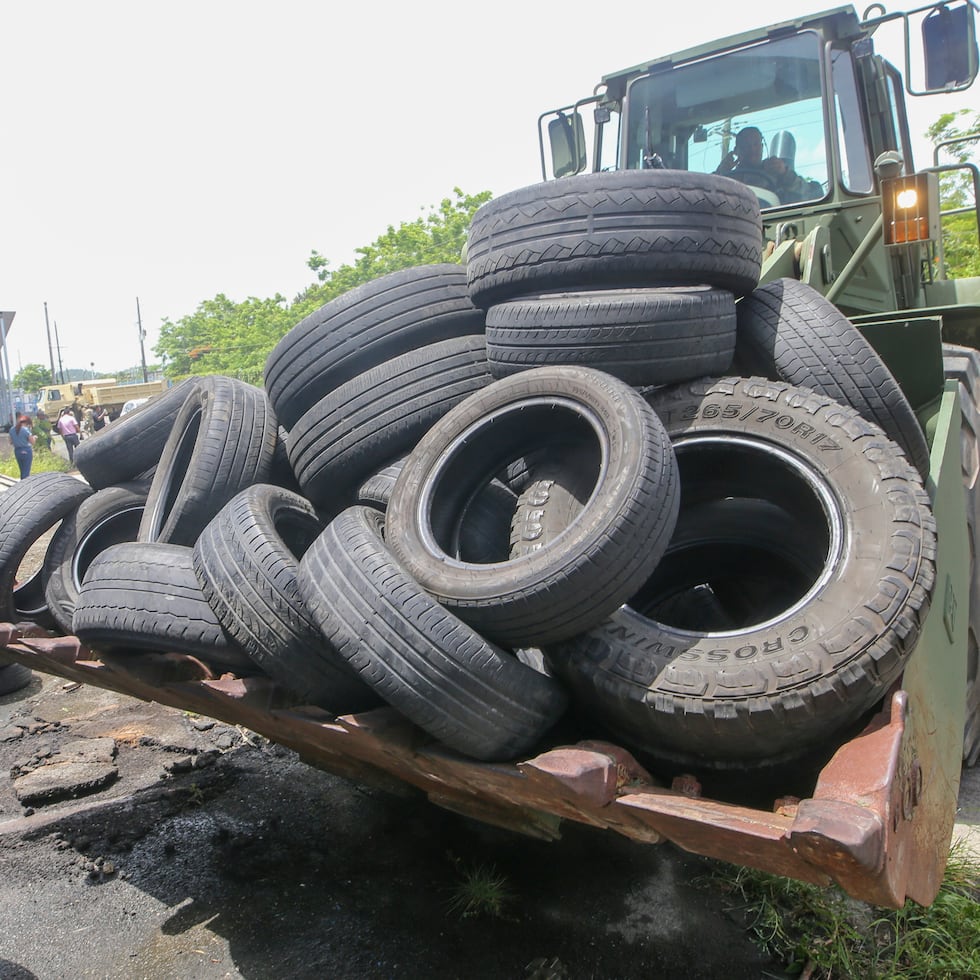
(145, 596)
(623, 229)
(132, 444)
(612, 546)
(110, 516)
(246, 561)
(962, 364)
(223, 440)
(30, 509)
(790, 597)
(641, 336)
(787, 331)
(379, 415)
(363, 328)
(443, 676)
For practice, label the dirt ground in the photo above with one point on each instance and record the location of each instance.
(216, 854)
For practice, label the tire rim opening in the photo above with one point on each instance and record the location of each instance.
(758, 533)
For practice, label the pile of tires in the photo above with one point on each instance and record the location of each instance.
(596, 481)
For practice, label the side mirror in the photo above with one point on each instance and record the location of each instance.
(566, 134)
(949, 41)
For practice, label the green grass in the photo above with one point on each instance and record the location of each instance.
(820, 933)
(45, 461)
(481, 892)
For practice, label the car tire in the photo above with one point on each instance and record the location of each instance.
(365, 327)
(223, 440)
(613, 544)
(443, 676)
(626, 228)
(247, 561)
(110, 516)
(641, 336)
(31, 508)
(380, 415)
(145, 596)
(133, 443)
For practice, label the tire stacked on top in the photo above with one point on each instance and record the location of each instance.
(549, 448)
(634, 273)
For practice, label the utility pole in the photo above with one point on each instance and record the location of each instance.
(142, 333)
(47, 326)
(57, 343)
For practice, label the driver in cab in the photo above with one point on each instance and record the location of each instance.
(744, 163)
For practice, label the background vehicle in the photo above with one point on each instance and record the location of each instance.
(102, 391)
(132, 404)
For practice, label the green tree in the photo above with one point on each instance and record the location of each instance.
(961, 246)
(225, 337)
(31, 376)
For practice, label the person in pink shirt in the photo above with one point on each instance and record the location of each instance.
(68, 427)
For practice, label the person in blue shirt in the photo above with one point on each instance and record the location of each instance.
(23, 438)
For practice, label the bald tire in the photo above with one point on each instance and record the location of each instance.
(464, 691)
(627, 228)
(28, 510)
(247, 562)
(787, 331)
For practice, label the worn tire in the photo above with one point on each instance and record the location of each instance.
(418, 656)
(642, 336)
(132, 444)
(29, 509)
(223, 440)
(620, 229)
(110, 516)
(145, 596)
(791, 596)
(361, 329)
(379, 415)
(246, 561)
(787, 331)
(962, 364)
(612, 546)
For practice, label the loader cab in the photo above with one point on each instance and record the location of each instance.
(825, 107)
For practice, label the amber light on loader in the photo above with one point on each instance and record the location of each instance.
(910, 207)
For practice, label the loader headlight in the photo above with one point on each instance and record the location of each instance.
(907, 199)
(910, 208)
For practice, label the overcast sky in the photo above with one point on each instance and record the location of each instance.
(174, 151)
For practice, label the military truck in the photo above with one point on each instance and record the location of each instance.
(51, 399)
(861, 227)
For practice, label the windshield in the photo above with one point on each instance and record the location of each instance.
(755, 115)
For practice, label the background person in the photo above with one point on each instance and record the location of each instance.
(68, 427)
(789, 185)
(23, 439)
